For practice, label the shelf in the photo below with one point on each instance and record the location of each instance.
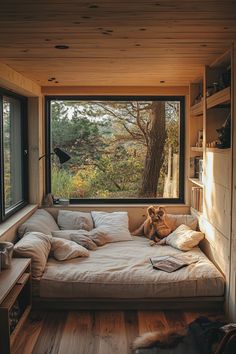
(21, 322)
(220, 97)
(195, 212)
(223, 60)
(15, 288)
(14, 293)
(196, 148)
(197, 109)
(196, 181)
(218, 151)
(9, 277)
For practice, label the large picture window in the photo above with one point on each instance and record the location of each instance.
(13, 174)
(123, 149)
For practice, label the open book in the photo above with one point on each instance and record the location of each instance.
(172, 263)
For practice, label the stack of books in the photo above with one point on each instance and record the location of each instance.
(197, 198)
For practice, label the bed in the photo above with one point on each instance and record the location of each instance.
(120, 275)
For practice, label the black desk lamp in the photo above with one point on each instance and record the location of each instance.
(62, 155)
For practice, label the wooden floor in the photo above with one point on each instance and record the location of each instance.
(94, 332)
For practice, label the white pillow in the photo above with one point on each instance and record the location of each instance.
(40, 221)
(65, 249)
(175, 221)
(184, 238)
(74, 220)
(115, 225)
(36, 246)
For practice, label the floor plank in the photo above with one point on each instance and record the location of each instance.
(131, 328)
(51, 333)
(95, 332)
(111, 330)
(175, 319)
(31, 330)
(151, 321)
(78, 336)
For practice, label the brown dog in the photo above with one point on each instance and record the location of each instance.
(154, 227)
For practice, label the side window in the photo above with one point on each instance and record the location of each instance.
(13, 153)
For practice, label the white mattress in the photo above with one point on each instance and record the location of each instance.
(122, 270)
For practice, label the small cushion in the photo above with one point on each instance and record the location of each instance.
(184, 238)
(88, 239)
(78, 236)
(74, 220)
(99, 236)
(34, 245)
(65, 249)
(115, 225)
(175, 221)
(40, 221)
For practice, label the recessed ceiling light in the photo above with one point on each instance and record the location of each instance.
(61, 46)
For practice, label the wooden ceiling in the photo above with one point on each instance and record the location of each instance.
(114, 43)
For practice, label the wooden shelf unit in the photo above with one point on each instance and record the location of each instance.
(209, 114)
(197, 182)
(197, 109)
(196, 213)
(219, 98)
(218, 151)
(196, 149)
(15, 288)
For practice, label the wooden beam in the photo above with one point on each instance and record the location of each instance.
(12, 80)
(114, 90)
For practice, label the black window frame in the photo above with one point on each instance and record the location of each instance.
(140, 201)
(4, 214)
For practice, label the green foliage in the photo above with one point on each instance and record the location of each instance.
(108, 144)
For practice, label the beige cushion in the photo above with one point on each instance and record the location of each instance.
(66, 249)
(184, 238)
(36, 246)
(40, 221)
(115, 225)
(87, 239)
(78, 236)
(99, 236)
(174, 221)
(74, 220)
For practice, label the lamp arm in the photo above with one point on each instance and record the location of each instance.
(46, 155)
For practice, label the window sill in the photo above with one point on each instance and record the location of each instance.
(116, 205)
(11, 224)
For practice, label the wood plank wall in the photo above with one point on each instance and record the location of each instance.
(231, 309)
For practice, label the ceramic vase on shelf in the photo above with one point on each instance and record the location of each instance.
(6, 251)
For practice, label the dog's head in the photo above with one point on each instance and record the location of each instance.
(156, 214)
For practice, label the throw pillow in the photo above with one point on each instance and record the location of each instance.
(115, 225)
(65, 249)
(34, 245)
(99, 236)
(184, 238)
(78, 236)
(175, 221)
(74, 220)
(40, 221)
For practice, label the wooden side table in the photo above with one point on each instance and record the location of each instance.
(15, 301)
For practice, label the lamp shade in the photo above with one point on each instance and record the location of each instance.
(62, 155)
